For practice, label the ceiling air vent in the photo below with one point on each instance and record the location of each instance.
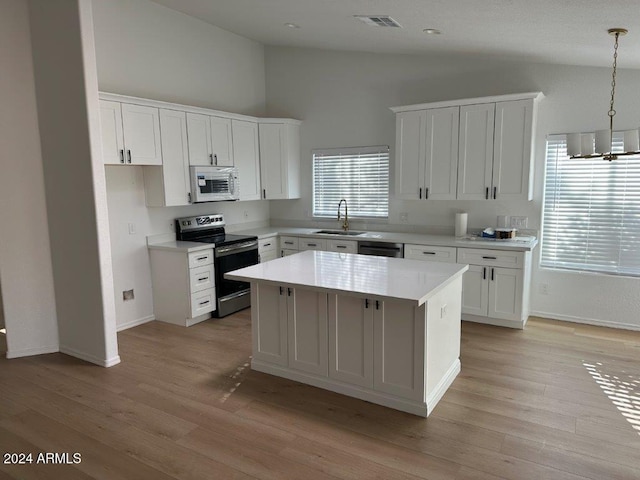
(378, 20)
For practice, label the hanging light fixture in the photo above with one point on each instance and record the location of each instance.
(580, 145)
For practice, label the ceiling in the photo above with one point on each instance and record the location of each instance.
(555, 31)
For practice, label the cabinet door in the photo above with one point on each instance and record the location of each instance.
(398, 346)
(475, 155)
(267, 256)
(199, 135)
(307, 316)
(272, 162)
(175, 158)
(245, 155)
(351, 340)
(475, 293)
(512, 150)
(111, 129)
(141, 128)
(505, 293)
(221, 141)
(410, 152)
(269, 323)
(441, 153)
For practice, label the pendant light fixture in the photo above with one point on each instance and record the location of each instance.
(580, 145)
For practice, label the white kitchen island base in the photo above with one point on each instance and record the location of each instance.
(379, 329)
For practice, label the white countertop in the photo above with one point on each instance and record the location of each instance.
(360, 275)
(180, 246)
(399, 237)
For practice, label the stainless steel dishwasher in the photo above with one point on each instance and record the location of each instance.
(381, 249)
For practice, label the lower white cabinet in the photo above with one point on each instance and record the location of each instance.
(267, 249)
(290, 245)
(430, 253)
(290, 327)
(494, 293)
(183, 285)
(312, 244)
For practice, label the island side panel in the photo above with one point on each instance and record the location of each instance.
(442, 341)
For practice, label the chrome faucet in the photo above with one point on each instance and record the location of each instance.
(345, 222)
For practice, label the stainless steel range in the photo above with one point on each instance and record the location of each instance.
(230, 253)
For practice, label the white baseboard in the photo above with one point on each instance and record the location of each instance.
(108, 362)
(498, 322)
(586, 321)
(27, 352)
(445, 382)
(135, 323)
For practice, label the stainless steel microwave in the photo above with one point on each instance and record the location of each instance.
(214, 184)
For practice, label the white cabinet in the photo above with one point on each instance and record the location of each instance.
(290, 327)
(495, 288)
(351, 340)
(475, 166)
(246, 158)
(427, 154)
(343, 246)
(279, 159)
(288, 245)
(210, 140)
(267, 249)
(183, 285)
(130, 134)
(169, 185)
(430, 253)
(470, 149)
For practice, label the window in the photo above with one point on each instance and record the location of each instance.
(591, 211)
(360, 175)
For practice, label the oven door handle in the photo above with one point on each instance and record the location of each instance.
(237, 248)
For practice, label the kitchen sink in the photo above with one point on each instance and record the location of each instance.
(340, 232)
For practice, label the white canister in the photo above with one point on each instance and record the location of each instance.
(461, 224)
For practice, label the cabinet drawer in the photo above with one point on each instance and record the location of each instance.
(345, 246)
(430, 253)
(289, 243)
(493, 258)
(267, 245)
(201, 278)
(203, 302)
(200, 258)
(312, 244)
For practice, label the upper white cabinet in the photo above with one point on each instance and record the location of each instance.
(169, 185)
(427, 154)
(130, 134)
(210, 140)
(471, 149)
(279, 158)
(246, 153)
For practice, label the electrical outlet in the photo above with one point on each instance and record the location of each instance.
(127, 295)
(246, 214)
(443, 311)
(132, 228)
(543, 288)
(519, 222)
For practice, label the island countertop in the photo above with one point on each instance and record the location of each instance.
(360, 275)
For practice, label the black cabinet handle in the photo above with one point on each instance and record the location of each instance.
(420, 193)
(429, 253)
(366, 303)
(377, 305)
(129, 155)
(484, 273)
(189, 197)
(288, 291)
(201, 258)
(282, 253)
(426, 193)
(121, 156)
(492, 273)
(204, 303)
(267, 245)
(264, 193)
(203, 278)
(486, 194)
(341, 246)
(281, 291)
(211, 158)
(312, 244)
(495, 192)
(490, 258)
(215, 158)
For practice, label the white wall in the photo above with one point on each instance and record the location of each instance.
(344, 98)
(25, 258)
(69, 123)
(146, 50)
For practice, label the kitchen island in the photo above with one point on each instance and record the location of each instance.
(385, 330)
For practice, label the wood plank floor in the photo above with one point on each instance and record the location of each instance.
(555, 401)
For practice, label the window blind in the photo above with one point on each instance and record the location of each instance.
(591, 211)
(360, 175)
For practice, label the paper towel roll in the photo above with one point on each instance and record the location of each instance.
(461, 224)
